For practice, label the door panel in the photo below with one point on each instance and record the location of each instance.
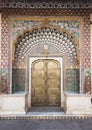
(45, 82)
(38, 73)
(38, 82)
(51, 73)
(54, 83)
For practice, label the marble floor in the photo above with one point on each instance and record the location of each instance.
(59, 124)
(46, 109)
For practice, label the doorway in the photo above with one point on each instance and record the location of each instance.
(45, 82)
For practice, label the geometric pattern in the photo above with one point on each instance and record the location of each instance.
(80, 4)
(19, 26)
(72, 26)
(87, 81)
(58, 42)
(4, 42)
(86, 54)
(0, 40)
(5, 33)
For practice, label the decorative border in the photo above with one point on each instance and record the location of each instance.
(28, 117)
(46, 4)
(48, 18)
(82, 13)
(0, 39)
(91, 47)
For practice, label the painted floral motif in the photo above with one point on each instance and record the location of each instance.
(71, 26)
(20, 26)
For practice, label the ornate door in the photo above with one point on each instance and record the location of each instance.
(45, 82)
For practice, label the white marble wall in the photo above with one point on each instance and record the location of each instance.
(79, 104)
(13, 104)
(74, 104)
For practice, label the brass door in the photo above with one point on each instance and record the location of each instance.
(45, 82)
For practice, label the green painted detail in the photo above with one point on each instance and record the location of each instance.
(18, 80)
(72, 80)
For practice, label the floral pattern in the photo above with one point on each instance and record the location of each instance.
(19, 26)
(71, 26)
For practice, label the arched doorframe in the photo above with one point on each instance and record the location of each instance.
(60, 60)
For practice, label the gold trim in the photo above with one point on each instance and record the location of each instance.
(69, 18)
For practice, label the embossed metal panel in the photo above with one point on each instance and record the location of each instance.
(45, 82)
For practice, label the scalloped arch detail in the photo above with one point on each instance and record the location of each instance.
(59, 42)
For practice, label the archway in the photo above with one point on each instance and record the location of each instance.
(59, 42)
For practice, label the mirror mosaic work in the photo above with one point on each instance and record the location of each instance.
(62, 39)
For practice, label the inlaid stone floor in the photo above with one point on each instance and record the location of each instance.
(46, 111)
(52, 112)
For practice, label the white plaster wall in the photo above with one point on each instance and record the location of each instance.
(13, 104)
(78, 104)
